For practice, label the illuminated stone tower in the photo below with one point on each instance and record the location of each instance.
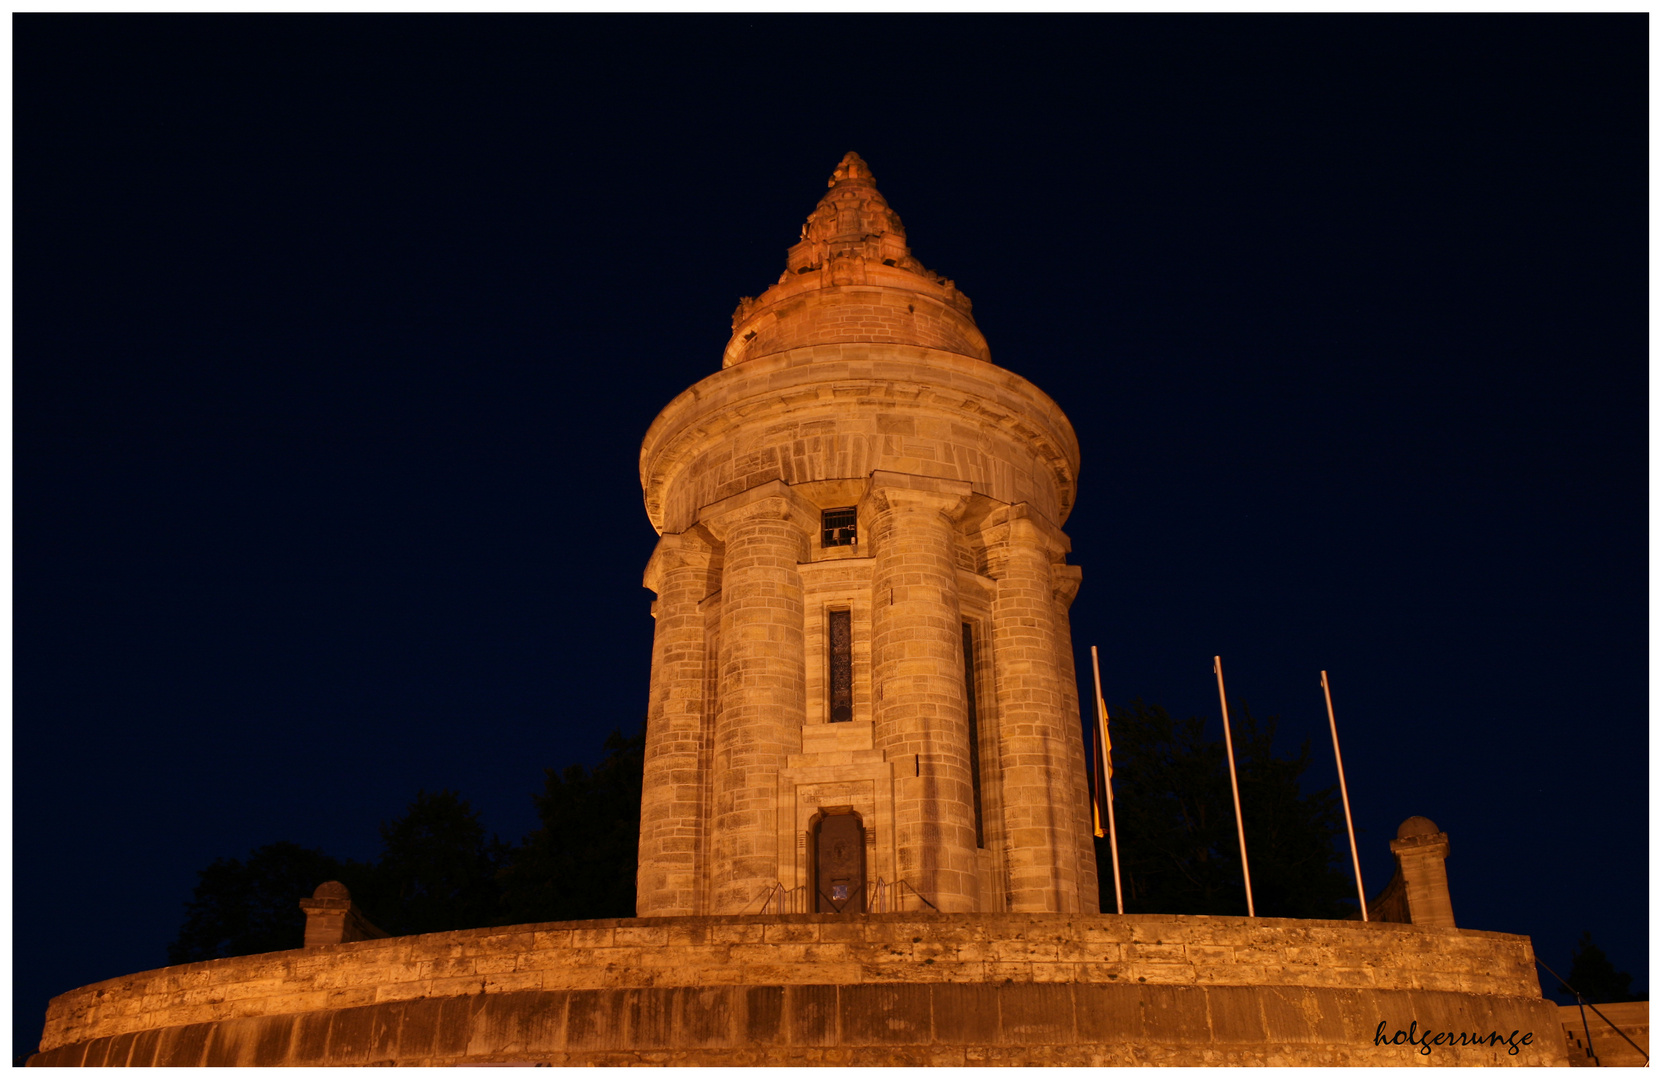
(863, 691)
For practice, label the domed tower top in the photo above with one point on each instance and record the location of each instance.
(851, 278)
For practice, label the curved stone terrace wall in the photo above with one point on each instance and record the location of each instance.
(887, 989)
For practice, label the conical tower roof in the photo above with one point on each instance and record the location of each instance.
(851, 278)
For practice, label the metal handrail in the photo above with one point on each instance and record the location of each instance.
(881, 896)
(1585, 1004)
(785, 901)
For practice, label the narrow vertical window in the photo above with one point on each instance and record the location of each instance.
(842, 668)
(974, 732)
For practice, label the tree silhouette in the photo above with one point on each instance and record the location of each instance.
(437, 871)
(1179, 851)
(1592, 973)
(242, 907)
(580, 864)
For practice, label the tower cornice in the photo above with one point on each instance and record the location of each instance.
(839, 412)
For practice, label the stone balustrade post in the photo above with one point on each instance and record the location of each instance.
(332, 918)
(1421, 850)
(919, 706)
(761, 688)
(673, 814)
(1042, 856)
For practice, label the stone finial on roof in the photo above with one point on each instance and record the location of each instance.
(853, 240)
(852, 167)
(851, 215)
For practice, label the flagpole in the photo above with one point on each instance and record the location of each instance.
(1361, 894)
(1229, 745)
(1107, 780)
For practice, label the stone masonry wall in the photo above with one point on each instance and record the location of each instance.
(879, 989)
(843, 411)
(883, 315)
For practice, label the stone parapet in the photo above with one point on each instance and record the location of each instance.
(1100, 987)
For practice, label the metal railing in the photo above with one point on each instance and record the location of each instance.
(881, 897)
(1584, 1004)
(779, 900)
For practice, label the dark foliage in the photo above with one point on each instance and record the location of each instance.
(437, 871)
(580, 864)
(1179, 850)
(1592, 973)
(241, 907)
(440, 871)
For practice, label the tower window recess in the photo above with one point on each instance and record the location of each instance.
(974, 733)
(842, 668)
(837, 527)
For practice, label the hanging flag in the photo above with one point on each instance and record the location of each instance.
(1102, 793)
(1098, 802)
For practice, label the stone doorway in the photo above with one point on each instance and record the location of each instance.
(839, 863)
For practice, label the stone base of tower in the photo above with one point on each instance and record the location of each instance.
(886, 989)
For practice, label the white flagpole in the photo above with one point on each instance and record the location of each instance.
(1107, 780)
(1229, 745)
(1361, 894)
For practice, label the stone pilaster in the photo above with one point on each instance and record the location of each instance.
(761, 687)
(918, 682)
(1042, 857)
(673, 813)
(1066, 586)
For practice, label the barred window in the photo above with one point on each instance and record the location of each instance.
(837, 527)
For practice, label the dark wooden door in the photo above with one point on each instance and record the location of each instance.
(840, 864)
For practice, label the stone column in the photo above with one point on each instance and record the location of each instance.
(1042, 859)
(668, 879)
(760, 686)
(1421, 848)
(917, 650)
(1066, 581)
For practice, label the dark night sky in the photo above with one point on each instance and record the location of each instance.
(336, 338)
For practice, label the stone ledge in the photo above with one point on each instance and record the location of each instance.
(884, 1024)
(921, 948)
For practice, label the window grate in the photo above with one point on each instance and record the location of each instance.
(842, 668)
(837, 527)
(974, 733)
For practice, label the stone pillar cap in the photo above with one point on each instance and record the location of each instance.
(1416, 827)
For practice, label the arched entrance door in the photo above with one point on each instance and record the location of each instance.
(839, 864)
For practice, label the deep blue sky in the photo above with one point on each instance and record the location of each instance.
(335, 340)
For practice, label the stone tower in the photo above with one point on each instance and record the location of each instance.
(863, 692)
